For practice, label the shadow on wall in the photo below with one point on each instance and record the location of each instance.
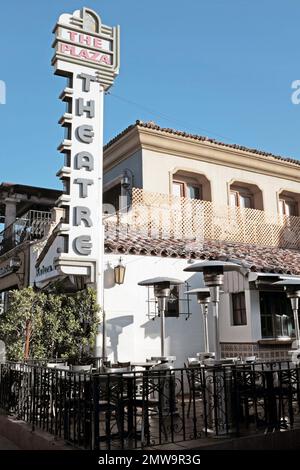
(152, 328)
(109, 276)
(114, 328)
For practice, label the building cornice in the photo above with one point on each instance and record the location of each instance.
(151, 137)
(122, 148)
(171, 144)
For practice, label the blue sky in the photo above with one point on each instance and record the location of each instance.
(221, 68)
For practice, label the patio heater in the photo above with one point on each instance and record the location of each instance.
(213, 273)
(217, 381)
(292, 288)
(203, 298)
(162, 292)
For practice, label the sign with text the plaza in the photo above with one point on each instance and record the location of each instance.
(87, 54)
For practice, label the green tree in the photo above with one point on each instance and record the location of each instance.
(45, 325)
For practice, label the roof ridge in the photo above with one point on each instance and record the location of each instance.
(169, 130)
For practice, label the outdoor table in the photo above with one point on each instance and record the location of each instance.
(145, 365)
(205, 355)
(163, 359)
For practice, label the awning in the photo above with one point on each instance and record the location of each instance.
(269, 278)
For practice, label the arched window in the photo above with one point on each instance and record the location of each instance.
(288, 204)
(245, 195)
(191, 185)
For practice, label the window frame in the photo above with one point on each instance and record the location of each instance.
(268, 320)
(283, 202)
(184, 184)
(239, 193)
(238, 314)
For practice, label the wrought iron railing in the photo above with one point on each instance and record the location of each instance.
(157, 215)
(31, 226)
(160, 406)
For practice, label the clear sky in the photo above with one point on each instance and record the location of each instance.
(221, 68)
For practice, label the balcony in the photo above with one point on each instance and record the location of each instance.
(155, 215)
(31, 226)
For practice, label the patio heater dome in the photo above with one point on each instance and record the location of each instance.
(202, 293)
(213, 270)
(161, 285)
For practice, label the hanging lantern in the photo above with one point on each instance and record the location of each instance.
(119, 272)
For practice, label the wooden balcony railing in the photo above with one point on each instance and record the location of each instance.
(155, 215)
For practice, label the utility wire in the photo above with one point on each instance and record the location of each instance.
(166, 116)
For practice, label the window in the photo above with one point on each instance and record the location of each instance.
(239, 316)
(241, 198)
(288, 207)
(187, 189)
(177, 304)
(276, 315)
(173, 303)
(4, 299)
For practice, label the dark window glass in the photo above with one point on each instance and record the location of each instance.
(276, 315)
(112, 195)
(173, 303)
(239, 316)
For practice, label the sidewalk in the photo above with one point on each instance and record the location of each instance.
(5, 444)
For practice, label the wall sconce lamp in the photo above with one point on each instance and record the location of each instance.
(119, 272)
(127, 179)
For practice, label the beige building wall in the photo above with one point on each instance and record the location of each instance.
(158, 170)
(155, 155)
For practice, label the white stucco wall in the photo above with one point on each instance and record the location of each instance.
(230, 333)
(129, 333)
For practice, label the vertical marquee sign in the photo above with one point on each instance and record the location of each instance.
(87, 53)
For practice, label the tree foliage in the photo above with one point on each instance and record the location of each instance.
(54, 325)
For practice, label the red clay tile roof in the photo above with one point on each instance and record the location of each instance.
(152, 125)
(257, 258)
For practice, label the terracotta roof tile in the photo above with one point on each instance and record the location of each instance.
(152, 125)
(257, 258)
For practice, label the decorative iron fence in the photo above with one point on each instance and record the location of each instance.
(134, 409)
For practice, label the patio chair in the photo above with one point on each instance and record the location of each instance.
(149, 406)
(194, 377)
(112, 402)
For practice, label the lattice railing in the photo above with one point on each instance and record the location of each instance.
(157, 215)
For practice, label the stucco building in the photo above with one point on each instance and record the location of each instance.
(197, 199)
(26, 216)
(171, 198)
